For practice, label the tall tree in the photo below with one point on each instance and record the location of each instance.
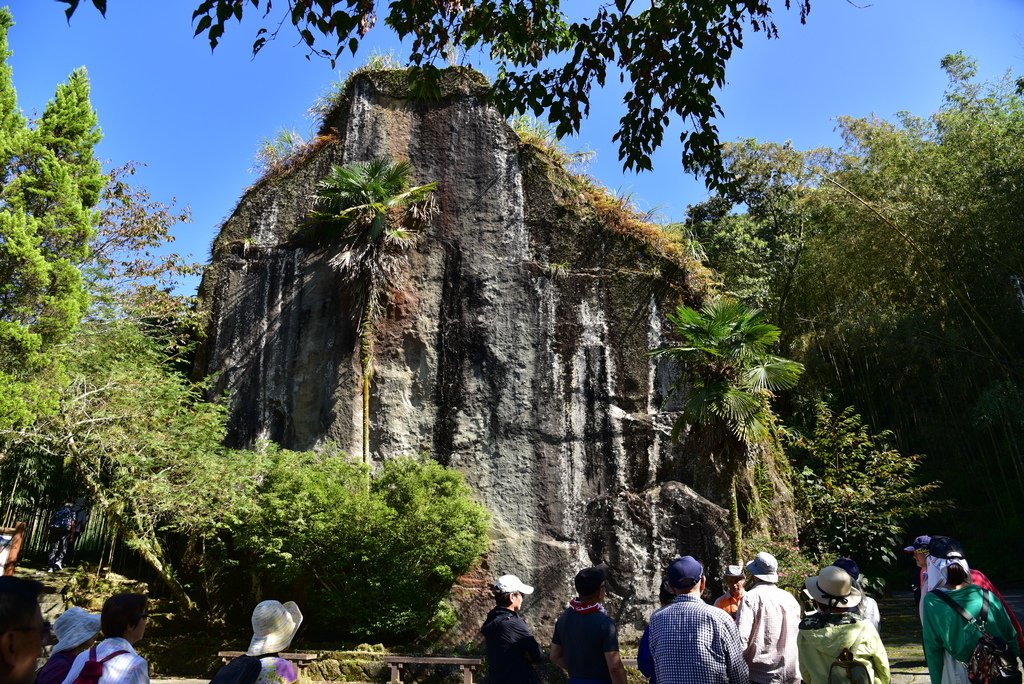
(379, 217)
(729, 375)
(673, 54)
(51, 183)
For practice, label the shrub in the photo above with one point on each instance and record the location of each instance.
(856, 491)
(378, 561)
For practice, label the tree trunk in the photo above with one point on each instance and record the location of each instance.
(736, 529)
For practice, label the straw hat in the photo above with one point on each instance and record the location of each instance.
(833, 586)
(74, 627)
(273, 626)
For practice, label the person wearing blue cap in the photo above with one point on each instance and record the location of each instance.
(689, 641)
(868, 607)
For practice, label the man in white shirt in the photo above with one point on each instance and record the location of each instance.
(768, 620)
(123, 622)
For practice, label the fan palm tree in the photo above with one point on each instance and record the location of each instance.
(731, 375)
(378, 217)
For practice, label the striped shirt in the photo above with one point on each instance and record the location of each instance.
(768, 621)
(694, 643)
(127, 668)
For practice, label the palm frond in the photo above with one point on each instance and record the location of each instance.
(773, 373)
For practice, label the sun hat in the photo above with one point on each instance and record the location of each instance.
(833, 586)
(74, 627)
(764, 567)
(589, 580)
(945, 547)
(733, 571)
(273, 626)
(510, 584)
(918, 544)
(684, 572)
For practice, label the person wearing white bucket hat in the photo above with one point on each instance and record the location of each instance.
(274, 625)
(767, 620)
(76, 630)
(836, 633)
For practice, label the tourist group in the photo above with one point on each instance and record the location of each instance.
(750, 635)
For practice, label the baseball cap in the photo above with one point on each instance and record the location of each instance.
(589, 580)
(921, 542)
(510, 584)
(684, 572)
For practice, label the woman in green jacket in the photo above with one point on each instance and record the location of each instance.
(949, 640)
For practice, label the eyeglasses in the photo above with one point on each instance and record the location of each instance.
(45, 630)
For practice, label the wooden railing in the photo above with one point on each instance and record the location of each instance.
(396, 663)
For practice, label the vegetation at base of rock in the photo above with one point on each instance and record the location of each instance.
(379, 562)
(857, 492)
(729, 376)
(673, 55)
(376, 216)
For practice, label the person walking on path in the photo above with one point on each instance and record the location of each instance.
(732, 582)
(690, 641)
(586, 641)
(867, 607)
(76, 630)
(123, 621)
(62, 533)
(949, 639)
(23, 631)
(768, 620)
(835, 632)
(511, 648)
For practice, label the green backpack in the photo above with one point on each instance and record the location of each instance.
(846, 669)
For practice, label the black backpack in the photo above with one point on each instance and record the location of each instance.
(245, 669)
(992, 660)
(62, 519)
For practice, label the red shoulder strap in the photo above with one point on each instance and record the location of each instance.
(112, 655)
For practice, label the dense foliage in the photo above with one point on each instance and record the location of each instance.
(50, 183)
(857, 491)
(672, 53)
(379, 562)
(900, 261)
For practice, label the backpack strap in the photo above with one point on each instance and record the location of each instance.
(112, 655)
(978, 622)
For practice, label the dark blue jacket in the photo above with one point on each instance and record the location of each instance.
(511, 649)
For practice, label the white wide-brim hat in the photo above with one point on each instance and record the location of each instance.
(74, 627)
(274, 625)
(834, 586)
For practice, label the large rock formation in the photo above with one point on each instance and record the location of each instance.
(515, 350)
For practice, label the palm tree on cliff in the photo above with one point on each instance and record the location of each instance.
(731, 375)
(379, 217)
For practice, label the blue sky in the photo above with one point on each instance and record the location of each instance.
(196, 118)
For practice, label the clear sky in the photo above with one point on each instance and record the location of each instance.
(196, 118)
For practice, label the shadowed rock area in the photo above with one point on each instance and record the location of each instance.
(514, 350)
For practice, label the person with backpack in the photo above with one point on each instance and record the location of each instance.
(956, 615)
(836, 644)
(62, 530)
(512, 649)
(76, 631)
(114, 660)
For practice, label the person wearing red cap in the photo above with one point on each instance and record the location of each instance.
(586, 640)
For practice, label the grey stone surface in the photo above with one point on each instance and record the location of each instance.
(515, 350)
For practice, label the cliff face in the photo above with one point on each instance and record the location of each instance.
(515, 350)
